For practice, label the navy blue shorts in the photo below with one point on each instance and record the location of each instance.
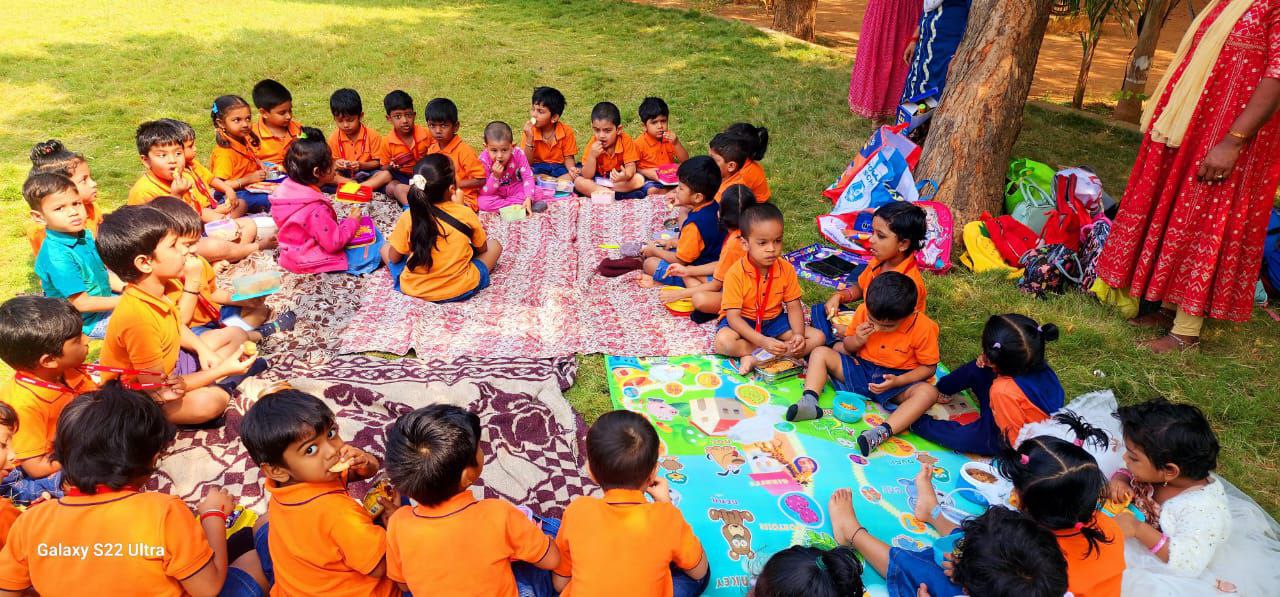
(770, 328)
(660, 275)
(396, 268)
(555, 170)
(860, 373)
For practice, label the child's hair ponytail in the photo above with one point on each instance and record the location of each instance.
(800, 571)
(429, 187)
(1059, 485)
(1014, 343)
(741, 142)
(733, 201)
(218, 112)
(53, 157)
(1085, 433)
(308, 158)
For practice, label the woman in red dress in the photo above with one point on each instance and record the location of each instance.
(1193, 219)
(879, 69)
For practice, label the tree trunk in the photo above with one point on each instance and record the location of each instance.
(796, 17)
(1090, 43)
(1129, 108)
(972, 134)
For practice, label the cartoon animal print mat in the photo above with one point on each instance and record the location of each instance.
(750, 483)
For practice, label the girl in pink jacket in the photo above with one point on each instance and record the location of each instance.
(312, 240)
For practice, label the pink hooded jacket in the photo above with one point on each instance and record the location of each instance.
(312, 240)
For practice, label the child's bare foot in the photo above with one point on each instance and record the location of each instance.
(745, 365)
(844, 521)
(926, 498)
(646, 281)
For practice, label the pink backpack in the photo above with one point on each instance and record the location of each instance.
(935, 255)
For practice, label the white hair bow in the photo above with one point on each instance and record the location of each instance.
(419, 182)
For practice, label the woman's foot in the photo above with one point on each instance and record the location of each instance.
(1160, 319)
(844, 521)
(926, 497)
(745, 365)
(1171, 342)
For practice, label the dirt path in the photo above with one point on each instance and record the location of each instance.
(840, 20)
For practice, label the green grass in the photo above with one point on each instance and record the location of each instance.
(89, 74)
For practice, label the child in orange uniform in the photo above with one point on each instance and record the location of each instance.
(706, 298)
(434, 455)
(441, 116)
(701, 236)
(404, 145)
(52, 156)
(109, 534)
(609, 161)
(144, 334)
(40, 339)
(163, 154)
(548, 142)
(317, 541)
(356, 148)
(275, 127)
(235, 160)
(760, 304)
(622, 543)
(452, 261)
(658, 146)
(738, 151)
(895, 352)
(8, 426)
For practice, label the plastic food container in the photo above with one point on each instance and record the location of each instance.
(680, 308)
(667, 175)
(352, 192)
(847, 407)
(255, 285)
(222, 229)
(512, 213)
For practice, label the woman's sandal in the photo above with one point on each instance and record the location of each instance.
(1171, 342)
(1158, 319)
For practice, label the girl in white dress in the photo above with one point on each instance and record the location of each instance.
(1200, 537)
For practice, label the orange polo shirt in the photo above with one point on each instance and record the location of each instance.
(654, 152)
(146, 544)
(1011, 408)
(566, 145)
(690, 244)
(393, 146)
(731, 252)
(8, 515)
(907, 267)
(623, 545)
(148, 187)
(272, 148)
(207, 309)
(1099, 573)
(323, 542)
(466, 166)
(35, 232)
(462, 547)
(142, 334)
(745, 286)
(366, 147)
(624, 152)
(38, 410)
(751, 174)
(913, 344)
(233, 161)
(452, 272)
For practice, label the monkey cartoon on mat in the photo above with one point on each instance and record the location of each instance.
(735, 531)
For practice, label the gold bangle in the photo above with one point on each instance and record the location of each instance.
(1240, 136)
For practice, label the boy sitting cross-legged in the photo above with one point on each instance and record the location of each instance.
(357, 149)
(611, 155)
(107, 536)
(441, 116)
(318, 540)
(896, 353)
(700, 236)
(658, 145)
(143, 247)
(275, 127)
(548, 142)
(623, 544)
(756, 291)
(68, 264)
(434, 455)
(40, 338)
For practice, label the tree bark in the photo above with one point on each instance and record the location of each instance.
(796, 17)
(972, 134)
(1129, 107)
(1090, 44)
